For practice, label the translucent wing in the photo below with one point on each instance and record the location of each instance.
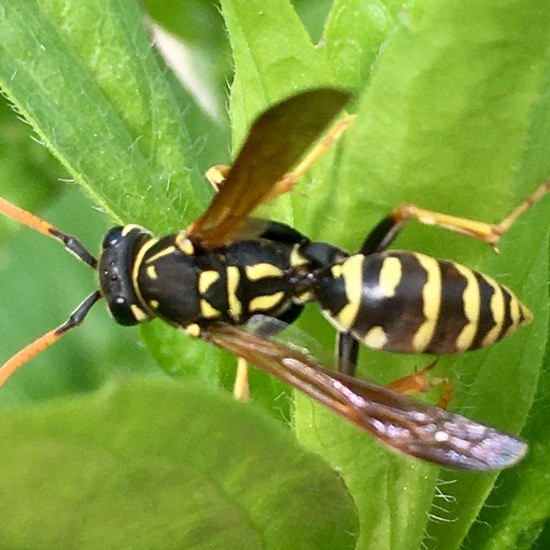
(276, 142)
(404, 424)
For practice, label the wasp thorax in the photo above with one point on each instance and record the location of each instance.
(120, 248)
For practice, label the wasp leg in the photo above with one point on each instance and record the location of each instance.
(241, 389)
(282, 233)
(267, 328)
(38, 346)
(347, 353)
(288, 181)
(486, 232)
(419, 382)
(382, 235)
(217, 174)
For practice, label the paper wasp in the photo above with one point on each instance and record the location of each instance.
(226, 268)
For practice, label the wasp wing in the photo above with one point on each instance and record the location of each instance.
(404, 424)
(276, 142)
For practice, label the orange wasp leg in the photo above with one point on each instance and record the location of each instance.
(216, 174)
(75, 247)
(39, 345)
(486, 232)
(71, 244)
(288, 181)
(419, 382)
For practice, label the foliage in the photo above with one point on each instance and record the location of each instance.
(453, 114)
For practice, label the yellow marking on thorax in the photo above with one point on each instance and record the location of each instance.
(151, 271)
(498, 311)
(137, 264)
(266, 302)
(233, 279)
(207, 311)
(431, 300)
(207, 279)
(138, 313)
(390, 276)
(471, 300)
(184, 244)
(304, 297)
(337, 270)
(375, 338)
(261, 271)
(296, 258)
(154, 304)
(164, 252)
(352, 272)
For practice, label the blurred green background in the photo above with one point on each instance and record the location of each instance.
(452, 102)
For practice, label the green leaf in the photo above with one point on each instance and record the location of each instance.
(452, 115)
(201, 56)
(355, 33)
(524, 490)
(268, 70)
(108, 114)
(451, 104)
(125, 107)
(424, 139)
(159, 483)
(23, 164)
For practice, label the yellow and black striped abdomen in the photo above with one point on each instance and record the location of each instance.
(412, 303)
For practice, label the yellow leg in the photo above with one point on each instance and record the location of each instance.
(419, 382)
(240, 389)
(489, 233)
(217, 174)
(288, 181)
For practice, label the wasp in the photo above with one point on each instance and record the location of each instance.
(228, 268)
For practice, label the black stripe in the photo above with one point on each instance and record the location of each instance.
(508, 320)
(486, 319)
(330, 292)
(452, 316)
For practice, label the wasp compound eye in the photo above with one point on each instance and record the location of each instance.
(112, 237)
(121, 310)
(120, 247)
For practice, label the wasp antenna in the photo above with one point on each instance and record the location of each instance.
(45, 341)
(71, 244)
